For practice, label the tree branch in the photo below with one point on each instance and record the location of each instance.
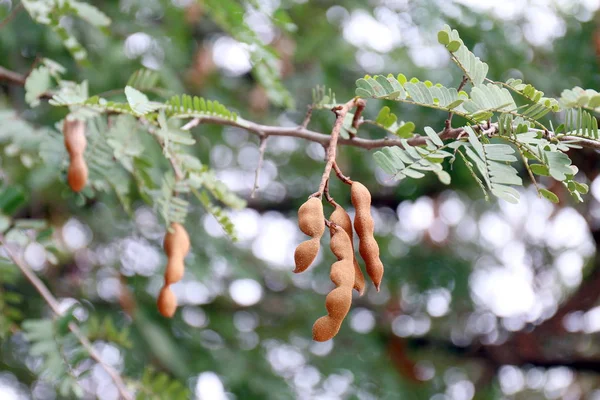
(301, 132)
(55, 307)
(333, 140)
(12, 77)
(261, 157)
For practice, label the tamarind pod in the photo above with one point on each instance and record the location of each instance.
(364, 225)
(311, 222)
(305, 254)
(341, 218)
(174, 271)
(311, 219)
(74, 134)
(77, 174)
(167, 302)
(177, 240)
(325, 328)
(339, 300)
(176, 244)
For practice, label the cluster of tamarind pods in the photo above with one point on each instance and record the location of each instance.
(176, 243)
(345, 272)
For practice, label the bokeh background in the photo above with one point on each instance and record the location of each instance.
(480, 300)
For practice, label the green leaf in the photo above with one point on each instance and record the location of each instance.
(144, 79)
(406, 130)
(549, 195)
(559, 165)
(139, 102)
(11, 199)
(386, 118)
(443, 37)
(431, 134)
(454, 46)
(37, 83)
(539, 169)
(472, 66)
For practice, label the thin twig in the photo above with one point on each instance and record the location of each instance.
(340, 112)
(307, 117)
(462, 84)
(327, 195)
(13, 13)
(261, 156)
(340, 174)
(12, 77)
(55, 307)
(191, 124)
(360, 106)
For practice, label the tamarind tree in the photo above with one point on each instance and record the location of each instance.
(189, 186)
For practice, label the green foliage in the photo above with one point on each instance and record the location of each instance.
(323, 98)
(493, 163)
(475, 69)
(10, 300)
(188, 106)
(50, 13)
(579, 122)
(534, 95)
(413, 161)
(105, 329)
(33, 146)
(389, 121)
(104, 173)
(414, 91)
(159, 386)
(171, 206)
(144, 79)
(552, 161)
(41, 79)
(578, 97)
(59, 352)
(37, 83)
(487, 99)
(139, 102)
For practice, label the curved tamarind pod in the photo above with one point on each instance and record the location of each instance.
(364, 226)
(75, 142)
(74, 133)
(338, 301)
(167, 302)
(176, 245)
(311, 222)
(305, 254)
(176, 240)
(174, 271)
(77, 174)
(340, 217)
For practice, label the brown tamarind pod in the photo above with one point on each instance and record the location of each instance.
(75, 143)
(364, 226)
(338, 301)
(174, 271)
(74, 134)
(176, 245)
(77, 174)
(177, 240)
(167, 302)
(311, 222)
(340, 217)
